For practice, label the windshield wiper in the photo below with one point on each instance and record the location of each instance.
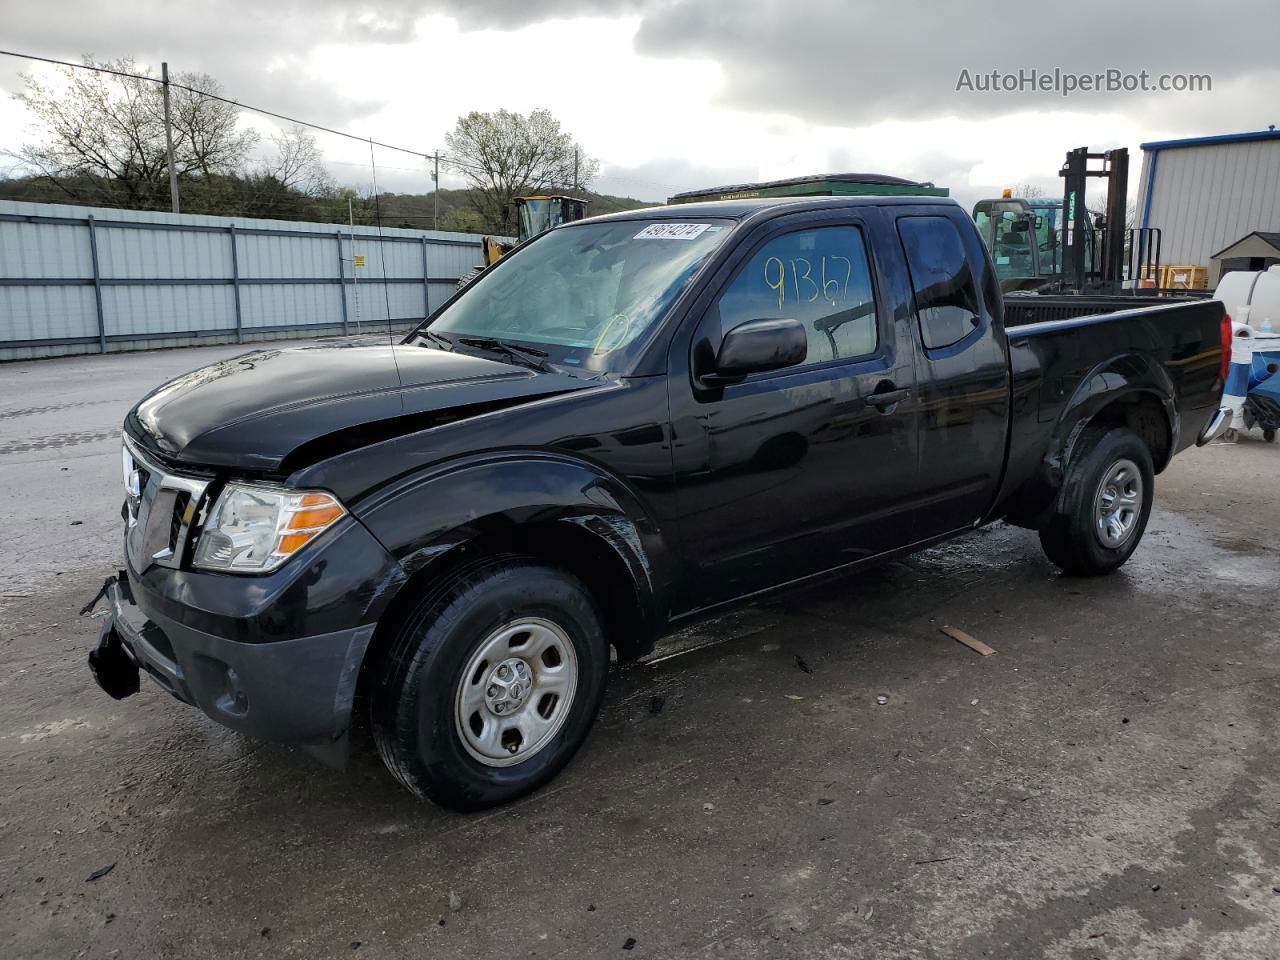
(529, 356)
(436, 338)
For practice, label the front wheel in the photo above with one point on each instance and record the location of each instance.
(1103, 506)
(492, 684)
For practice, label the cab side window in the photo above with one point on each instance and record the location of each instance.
(820, 277)
(946, 298)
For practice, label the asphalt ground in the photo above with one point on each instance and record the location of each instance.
(1105, 785)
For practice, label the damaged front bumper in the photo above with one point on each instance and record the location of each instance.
(298, 690)
(275, 657)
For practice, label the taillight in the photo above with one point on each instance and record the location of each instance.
(1225, 364)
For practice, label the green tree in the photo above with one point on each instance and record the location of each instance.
(505, 154)
(462, 220)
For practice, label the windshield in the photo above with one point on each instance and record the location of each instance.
(583, 294)
(1047, 235)
(1010, 245)
(535, 216)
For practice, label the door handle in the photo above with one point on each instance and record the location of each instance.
(889, 398)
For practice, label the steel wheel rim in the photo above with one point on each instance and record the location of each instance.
(1118, 504)
(516, 691)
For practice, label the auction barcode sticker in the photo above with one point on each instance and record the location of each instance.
(672, 231)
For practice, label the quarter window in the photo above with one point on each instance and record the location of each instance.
(820, 277)
(946, 299)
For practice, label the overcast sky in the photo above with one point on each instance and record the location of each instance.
(673, 95)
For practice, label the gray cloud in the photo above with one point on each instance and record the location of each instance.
(836, 63)
(242, 45)
(833, 63)
(513, 14)
(856, 62)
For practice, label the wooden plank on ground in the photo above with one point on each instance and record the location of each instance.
(974, 644)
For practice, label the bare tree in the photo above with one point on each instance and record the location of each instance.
(1028, 191)
(1098, 208)
(106, 131)
(299, 163)
(504, 154)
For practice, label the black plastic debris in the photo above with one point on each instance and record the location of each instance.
(629, 944)
(656, 704)
(99, 873)
(111, 667)
(102, 592)
(802, 665)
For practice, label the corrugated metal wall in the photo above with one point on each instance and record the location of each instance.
(1207, 197)
(88, 280)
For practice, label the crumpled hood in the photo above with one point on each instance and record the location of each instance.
(253, 411)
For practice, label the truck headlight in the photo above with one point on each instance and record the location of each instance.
(254, 529)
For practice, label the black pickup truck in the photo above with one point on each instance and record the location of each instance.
(628, 423)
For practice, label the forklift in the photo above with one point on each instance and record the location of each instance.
(1023, 237)
(1052, 245)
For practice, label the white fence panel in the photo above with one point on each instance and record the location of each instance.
(85, 279)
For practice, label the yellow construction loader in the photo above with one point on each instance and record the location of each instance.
(534, 215)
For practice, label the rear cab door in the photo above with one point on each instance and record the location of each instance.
(962, 368)
(804, 469)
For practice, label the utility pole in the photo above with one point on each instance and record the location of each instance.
(355, 279)
(168, 140)
(435, 196)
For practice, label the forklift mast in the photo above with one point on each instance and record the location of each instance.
(1075, 173)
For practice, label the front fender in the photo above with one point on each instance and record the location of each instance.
(425, 515)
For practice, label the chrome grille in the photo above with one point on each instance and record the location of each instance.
(160, 507)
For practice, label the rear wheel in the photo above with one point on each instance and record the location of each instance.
(1103, 506)
(1269, 435)
(491, 685)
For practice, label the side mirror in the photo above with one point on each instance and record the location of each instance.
(757, 346)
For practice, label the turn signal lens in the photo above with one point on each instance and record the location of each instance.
(293, 542)
(315, 518)
(253, 529)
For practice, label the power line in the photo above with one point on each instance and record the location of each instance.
(423, 154)
(433, 155)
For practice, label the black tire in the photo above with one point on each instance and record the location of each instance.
(1071, 537)
(414, 707)
(1269, 435)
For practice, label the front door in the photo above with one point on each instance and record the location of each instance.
(794, 471)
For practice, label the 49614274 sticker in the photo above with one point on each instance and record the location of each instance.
(672, 231)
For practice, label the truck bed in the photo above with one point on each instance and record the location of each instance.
(1079, 353)
(1024, 308)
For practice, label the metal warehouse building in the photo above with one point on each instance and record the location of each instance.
(1205, 193)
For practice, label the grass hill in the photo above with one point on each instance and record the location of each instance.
(263, 197)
